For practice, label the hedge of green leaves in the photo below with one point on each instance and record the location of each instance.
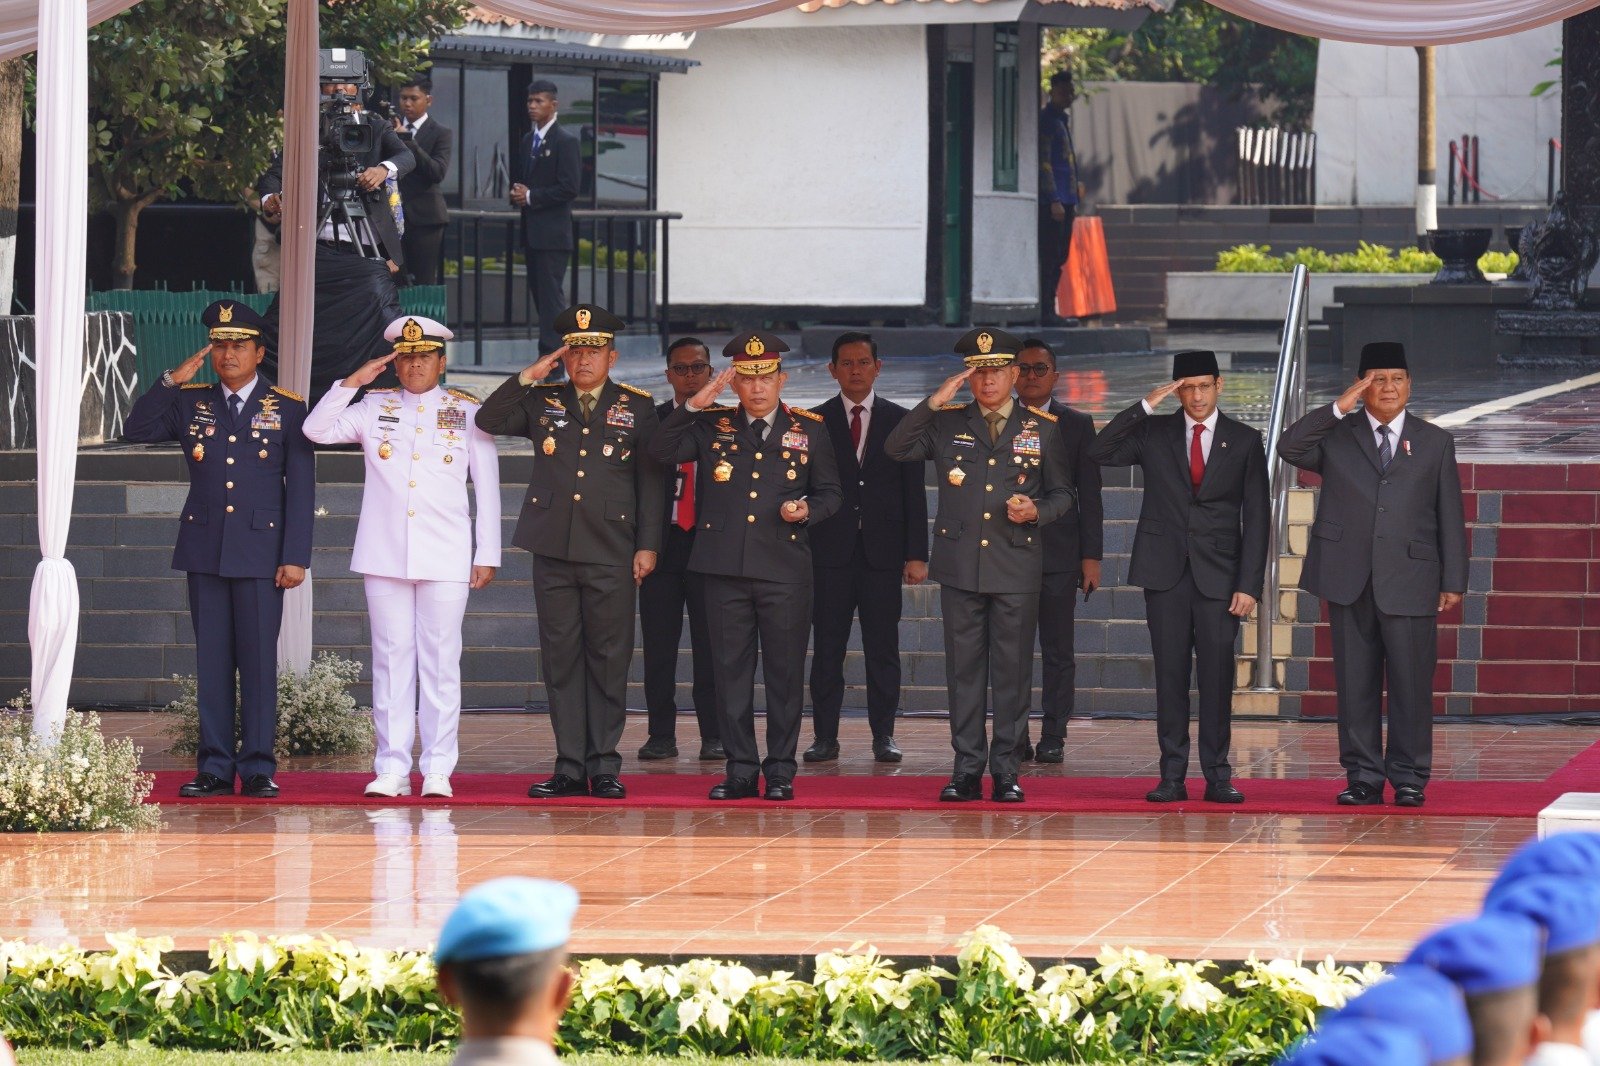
(305, 992)
(1366, 259)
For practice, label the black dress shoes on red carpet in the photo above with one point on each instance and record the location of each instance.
(606, 787)
(1362, 795)
(780, 791)
(884, 749)
(1168, 792)
(963, 788)
(1006, 789)
(822, 751)
(260, 787)
(1223, 792)
(559, 785)
(206, 785)
(736, 788)
(1408, 796)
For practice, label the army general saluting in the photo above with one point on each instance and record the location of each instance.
(244, 538)
(414, 543)
(762, 471)
(592, 520)
(1001, 477)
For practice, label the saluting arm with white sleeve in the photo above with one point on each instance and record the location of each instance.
(337, 418)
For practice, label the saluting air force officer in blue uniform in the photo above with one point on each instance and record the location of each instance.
(244, 537)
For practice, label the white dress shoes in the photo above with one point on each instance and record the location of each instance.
(389, 785)
(437, 785)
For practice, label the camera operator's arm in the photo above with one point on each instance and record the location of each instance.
(565, 188)
(397, 160)
(269, 186)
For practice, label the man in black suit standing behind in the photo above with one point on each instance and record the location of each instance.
(860, 556)
(1388, 551)
(1200, 554)
(426, 213)
(1073, 548)
(671, 587)
(545, 178)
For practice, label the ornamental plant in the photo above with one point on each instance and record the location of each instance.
(75, 780)
(316, 713)
(1366, 259)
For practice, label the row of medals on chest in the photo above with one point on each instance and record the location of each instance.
(203, 423)
(556, 416)
(451, 416)
(1025, 452)
(726, 445)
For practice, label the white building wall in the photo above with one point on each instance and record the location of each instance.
(1366, 116)
(799, 159)
(1005, 270)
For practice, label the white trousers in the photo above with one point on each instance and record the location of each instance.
(416, 636)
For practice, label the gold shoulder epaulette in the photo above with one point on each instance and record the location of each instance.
(720, 410)
(1046, 415)
(371, 391)
(636, 390)
(463, 394)
(803, 413)
(953, 407)
(195, 385)
(295, 396)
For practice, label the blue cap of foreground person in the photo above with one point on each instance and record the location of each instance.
(507, 916)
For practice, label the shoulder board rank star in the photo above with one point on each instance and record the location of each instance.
(463, 394)
(196, 385)
(953, 407)
(1046, 415)
(295, 396)
(636, 390)
(803, 413)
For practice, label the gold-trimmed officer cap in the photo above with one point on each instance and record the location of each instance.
(755, 353)
(231, 320)
(985, 348)
(588, 326)
(414, 333)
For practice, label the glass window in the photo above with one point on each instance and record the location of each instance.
(1005, 108)
(447, 109)
(484, 147)
(575, 111)
(622, 142)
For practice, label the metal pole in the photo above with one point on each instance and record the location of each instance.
(477, 288)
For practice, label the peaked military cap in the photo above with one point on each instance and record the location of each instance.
(414, 333)
(231, 320)
(588, 326)
(985, 348)
(1194, 363)
(755, 353)
(1382, 355)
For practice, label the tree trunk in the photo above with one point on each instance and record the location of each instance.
(124, 263)
(1427, 173)
(13, 72)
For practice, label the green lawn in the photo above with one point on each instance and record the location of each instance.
(118, 1056)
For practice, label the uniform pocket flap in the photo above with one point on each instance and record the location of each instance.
(1327, 530)
(946, 527)
(1150, 525)
(1418, 549)
(199, 514)
(261, 518)
(710, 519)
(619, 511)
(1226, 543)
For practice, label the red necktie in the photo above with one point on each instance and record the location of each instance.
(1197, 459)
(855, 428)
(685, 519)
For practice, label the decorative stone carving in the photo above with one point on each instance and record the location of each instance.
(109, 379)
(1560, 251)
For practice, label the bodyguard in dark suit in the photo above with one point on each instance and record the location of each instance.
(1001, 480)
(545, 176)
(245, 536)
(861, 555)
(763, 472)
(671, 588)
(1072, 549)
(426, 214)
(1200, 554)
(1388, 551)
(592, 520)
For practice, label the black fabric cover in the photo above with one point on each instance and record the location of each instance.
(356, 301)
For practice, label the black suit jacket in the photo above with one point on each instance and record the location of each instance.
(431, 146)
(388, 149)
(1221, 531)
(552, 180)
(1068, 542)
(676, 544)
(885, 499)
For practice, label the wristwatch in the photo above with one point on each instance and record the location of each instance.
(167, 379)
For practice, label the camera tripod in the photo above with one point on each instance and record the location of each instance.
(345, 218)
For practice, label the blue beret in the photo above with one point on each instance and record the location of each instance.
(1360, 1042)
(1574, 854)
(507, 916)
(1567, 908)
(1490, 953)
(1424, 1001)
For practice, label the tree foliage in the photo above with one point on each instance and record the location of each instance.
(1197, 42)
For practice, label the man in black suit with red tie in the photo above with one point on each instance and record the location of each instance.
(671, 587)
(1200, 554)
(546, 175)
(861, 555)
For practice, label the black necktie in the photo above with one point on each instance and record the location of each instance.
(235, 405)
(1385, 453)
(761, 430)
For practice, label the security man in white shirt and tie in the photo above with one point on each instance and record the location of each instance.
(414, 542)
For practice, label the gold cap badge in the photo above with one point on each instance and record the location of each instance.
(411, 331)
(753, 346)
(583, 318)
(985, 343)
(225, 313)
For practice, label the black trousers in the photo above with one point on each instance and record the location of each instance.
(585, 643)
(236, 623)
(1058, 607)
(662, 600)
(1370, 647)
(1055, 244)
(745, 615)
(841, 594)
(422, 244)
(988, 640)
(1184, 624)
(547, 277)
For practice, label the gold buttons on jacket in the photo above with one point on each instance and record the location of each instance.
(577, 495)
(232, 439)
(414, 485)
(582, 452)
(585, 431)
(752, 495)
(411, 513)
(230, 484)
(580, 473)
(230, 460)
(415, 456)
(983, 544)
(986, 516)
(749, 518)
(230, 508)
(991, 462)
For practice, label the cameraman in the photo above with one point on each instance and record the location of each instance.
(426, 213)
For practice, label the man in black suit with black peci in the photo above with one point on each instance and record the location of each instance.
(1199, 553)
(861, 555)
(546, 175)
(426, 213)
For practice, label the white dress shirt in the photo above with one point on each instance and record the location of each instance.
(414, 515)
(416, 125)
(244, 394)
(866, 419)
(1188, 430)
(1397, 426)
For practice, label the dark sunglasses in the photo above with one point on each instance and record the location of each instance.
(685, 369)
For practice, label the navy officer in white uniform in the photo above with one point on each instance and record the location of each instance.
(415, 542)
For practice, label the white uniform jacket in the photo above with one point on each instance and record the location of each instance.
(420, 450)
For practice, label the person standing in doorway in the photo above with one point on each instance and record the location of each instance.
(545, 178)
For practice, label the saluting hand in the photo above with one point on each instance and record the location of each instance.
(540, 370)
(1347, 402)
(290, 576)
(368, 372)
(186, 370)
(707, 396)
(481, 576)
(947, 392)
(1161, 392)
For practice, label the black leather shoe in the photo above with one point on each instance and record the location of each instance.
(260, 787)
(1168, 792)
(206, 785)
(781, 791)
(1361, 795)
(1050, 750)
(884, 749)
(1025, 751)
(607, 787)
(659, 748)
(559, 785)
(712, 749)
(963, 788)
(735, 788)
(1223, 792)
(1408, 796)
(1006, 789)
(822, 751)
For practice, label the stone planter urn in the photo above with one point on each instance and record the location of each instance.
(1460, 249)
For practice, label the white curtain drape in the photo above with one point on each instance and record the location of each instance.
(1402, 22)
(61, 166)
(636, 16)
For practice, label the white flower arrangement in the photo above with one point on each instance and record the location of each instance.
(316, 713)
(76, 780)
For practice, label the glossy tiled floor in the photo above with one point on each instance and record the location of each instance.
(780, 882)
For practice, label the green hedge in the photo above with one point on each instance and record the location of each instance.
(304, 992)
(1366, 259)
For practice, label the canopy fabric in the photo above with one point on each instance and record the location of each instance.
(19, 21)
(1404, 22)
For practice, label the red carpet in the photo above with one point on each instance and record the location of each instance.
(1046, 795)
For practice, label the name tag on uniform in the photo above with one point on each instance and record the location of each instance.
(964, 440)
(554, 411)
(620, 417)
(389, 418)
(798, 441)
(204, 418)
(451, 418)
(1025, 444)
